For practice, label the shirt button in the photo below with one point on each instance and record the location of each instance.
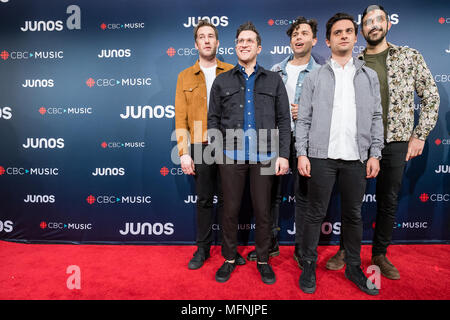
(248, 89)
(248, 101)
(242, 88)
(249, 113)
(241, 106)
(249, 125)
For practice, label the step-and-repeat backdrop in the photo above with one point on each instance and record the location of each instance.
(87, 117)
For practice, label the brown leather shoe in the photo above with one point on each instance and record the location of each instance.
(336, 262)
(386, 267)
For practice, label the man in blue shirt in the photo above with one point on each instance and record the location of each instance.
(250, 107)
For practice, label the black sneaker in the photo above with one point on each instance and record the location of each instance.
(273, 251)
(307, 279)
(224, 272)
(298, 260)
(267, 274)
(199, 258)
(357, 276)
(240, 261)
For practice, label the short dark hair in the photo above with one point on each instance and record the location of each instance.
(205, 23)
(374, 7)
(337, 17)
(250, 27)
(302, 20)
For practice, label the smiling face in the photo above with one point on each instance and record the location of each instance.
(247, 48)
(342, 37)
(206, 42)
(302, 40)
(375, 26)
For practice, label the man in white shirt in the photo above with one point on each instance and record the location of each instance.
(339, 138)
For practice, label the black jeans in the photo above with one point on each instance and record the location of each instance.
(351, 179)
(300, 186)
(207, 183)
(389, 183)
(233, 182)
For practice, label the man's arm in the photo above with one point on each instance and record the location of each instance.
(303, 122)
(215, 109)
(181, 119)
(377, 129)
(283, 120)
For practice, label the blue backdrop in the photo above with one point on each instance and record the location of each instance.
(87, 117)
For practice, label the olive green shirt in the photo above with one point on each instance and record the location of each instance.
(377, 62)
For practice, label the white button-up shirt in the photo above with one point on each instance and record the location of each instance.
(342, 143)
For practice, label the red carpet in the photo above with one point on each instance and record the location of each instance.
(160, 272)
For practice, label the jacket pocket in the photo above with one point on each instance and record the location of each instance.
(190, 90)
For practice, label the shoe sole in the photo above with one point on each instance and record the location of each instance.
(271, 255)
(222, 280)
(372, 292)
(190, 267)
(309, 290)
(269, 282)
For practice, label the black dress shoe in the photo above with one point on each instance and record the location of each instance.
(199, 258)
(267, 274)
(307, 279)
(240, 261)
(224, 272)
(357, 276)
(273, 251)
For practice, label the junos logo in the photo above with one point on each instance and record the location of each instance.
(443, 168)
(147, 228)
(5, 113)
(143, 112)
(6, 226)
(73, 22)
(215, 20)
(114, 53)
(193, 199)
(38, 83)
(327, 228)
(394, 18)
(109, 172)
(38, 198)
(44, 143)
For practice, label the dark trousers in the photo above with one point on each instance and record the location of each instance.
(207, 183)
(233, 178)
(300, 186)
(389, 183)
(351, 179)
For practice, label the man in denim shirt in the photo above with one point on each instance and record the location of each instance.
(293, 70)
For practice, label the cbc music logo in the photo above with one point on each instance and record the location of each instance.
(280, 22)
(122, 26)
(5, 113)
(6, 226)
(171, 52)
(104, 199)
(65, 225)
(443, 20)
(108, 172)
(442, 77)
(176, 171)
(435, 197)
(124, 82)
(38, 83)
(215, 20)
(411, 225)
(58, 111)
(121, 145)
(143, 112)
(439, 142)
(148, 228)
(15, 171)
(44, 143)
(27, 55)
(114, 53)
(39, 198)
(326, 228)
(73, 22)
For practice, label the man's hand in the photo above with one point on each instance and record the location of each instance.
(281, 166)
(373, 167)
(294, 111)
(415, 148)
(304, 166)
(187, 164)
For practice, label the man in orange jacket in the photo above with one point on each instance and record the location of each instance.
(191, 109)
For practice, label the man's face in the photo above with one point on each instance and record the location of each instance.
(302, 40)
(247, 47)
(342, 37)
(206, 42)
(375, 27)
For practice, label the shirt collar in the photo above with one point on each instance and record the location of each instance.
(336, 65)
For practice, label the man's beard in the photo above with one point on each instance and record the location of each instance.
(375, 42)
